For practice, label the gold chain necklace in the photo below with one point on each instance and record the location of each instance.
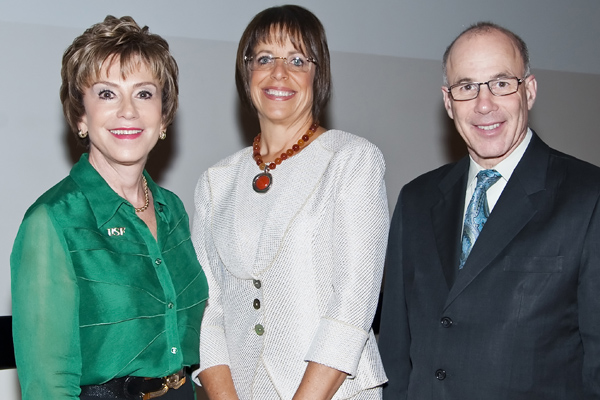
(145, 206)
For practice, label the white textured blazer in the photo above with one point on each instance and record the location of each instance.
(294, 273)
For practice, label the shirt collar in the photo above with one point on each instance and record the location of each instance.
(104, 201)
(507, 166)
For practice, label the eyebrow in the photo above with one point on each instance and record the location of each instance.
(136, 85)
(295, 51)
(497, 76)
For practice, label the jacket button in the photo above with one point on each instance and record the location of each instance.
(440, 374)
(256, 283)
(446, 322)
(256, 304)
(258, 328)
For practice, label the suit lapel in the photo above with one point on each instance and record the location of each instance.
(512, 212)
(446, 217)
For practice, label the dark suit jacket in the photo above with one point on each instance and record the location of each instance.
(521, 320)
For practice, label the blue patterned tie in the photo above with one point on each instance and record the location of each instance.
(477, 212)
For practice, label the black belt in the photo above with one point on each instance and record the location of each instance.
(135, 387)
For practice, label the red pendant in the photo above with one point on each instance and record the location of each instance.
(262, 182)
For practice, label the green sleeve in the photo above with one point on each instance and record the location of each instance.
(45, 305)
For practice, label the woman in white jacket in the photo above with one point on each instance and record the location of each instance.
(291, 233)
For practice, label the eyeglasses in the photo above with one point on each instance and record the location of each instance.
(498, 87)
(267, 62)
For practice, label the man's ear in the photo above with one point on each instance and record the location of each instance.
(530, 90)
(447, 101)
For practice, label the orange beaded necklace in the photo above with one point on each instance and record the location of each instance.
(263, 181)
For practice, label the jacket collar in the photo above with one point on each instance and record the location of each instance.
(230, 190)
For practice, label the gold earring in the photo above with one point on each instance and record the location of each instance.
(82, 134)
(163, 135)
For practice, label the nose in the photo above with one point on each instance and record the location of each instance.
(279, 70)
(485, 101)
(127, 108)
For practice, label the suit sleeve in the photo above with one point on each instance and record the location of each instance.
(45, 300)
(213, 345)
(394, 333)
(360, 226)
(588, 298)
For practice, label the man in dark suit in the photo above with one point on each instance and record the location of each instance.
(509, 310)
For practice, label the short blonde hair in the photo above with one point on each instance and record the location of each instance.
(116, 39)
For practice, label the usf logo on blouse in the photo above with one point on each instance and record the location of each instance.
(116, 231)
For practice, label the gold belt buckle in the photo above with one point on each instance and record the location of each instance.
(174, 381)
(169, 382)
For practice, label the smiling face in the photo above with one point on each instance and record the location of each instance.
(123, 116)
(281, 96)
(491, 126)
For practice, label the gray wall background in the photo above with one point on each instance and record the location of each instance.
(386, 70)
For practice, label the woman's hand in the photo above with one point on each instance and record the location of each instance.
(319, 382)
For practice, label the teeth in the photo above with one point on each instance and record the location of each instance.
(125, 131)
(279, 93)
(488, 127)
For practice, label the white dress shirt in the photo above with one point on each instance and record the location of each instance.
(505, 168)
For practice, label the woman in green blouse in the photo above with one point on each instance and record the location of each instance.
(107, 291)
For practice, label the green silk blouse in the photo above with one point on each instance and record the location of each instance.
(95, 296)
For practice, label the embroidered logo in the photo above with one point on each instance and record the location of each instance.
(116, 231)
